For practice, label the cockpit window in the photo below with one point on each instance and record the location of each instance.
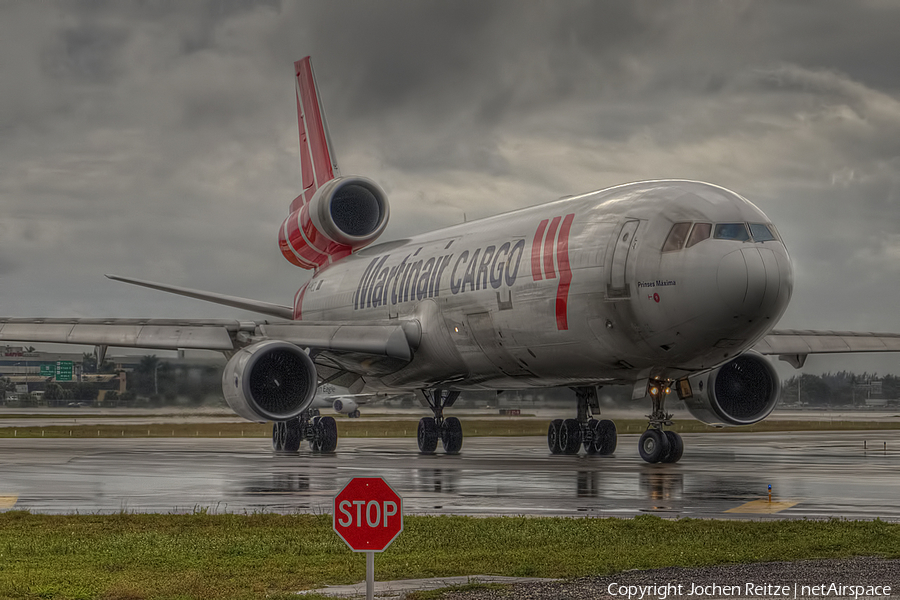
(676, 238)
(761, 232)
(700, 232)
(732, 231)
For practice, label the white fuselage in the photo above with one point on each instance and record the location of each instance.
(574, 292)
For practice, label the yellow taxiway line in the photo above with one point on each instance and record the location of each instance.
(763, 507)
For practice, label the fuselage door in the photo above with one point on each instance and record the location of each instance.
(618, 286)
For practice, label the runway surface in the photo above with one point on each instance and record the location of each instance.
(813, 475)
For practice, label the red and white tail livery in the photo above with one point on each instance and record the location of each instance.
(333, 215)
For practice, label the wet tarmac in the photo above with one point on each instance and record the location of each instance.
(813, 475)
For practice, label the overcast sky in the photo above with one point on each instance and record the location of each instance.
(159, 139)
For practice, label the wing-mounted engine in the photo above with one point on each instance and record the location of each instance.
(269, 381)
(740, 392)
(343, 215)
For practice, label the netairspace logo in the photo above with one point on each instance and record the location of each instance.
(748, 590)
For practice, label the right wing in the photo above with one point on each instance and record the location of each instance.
(793, 346)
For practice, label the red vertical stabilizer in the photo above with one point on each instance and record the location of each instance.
(319, 229)
(317, 161)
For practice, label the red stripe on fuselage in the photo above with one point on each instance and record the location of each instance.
(536, 250)
(565, 273)
(549, 273)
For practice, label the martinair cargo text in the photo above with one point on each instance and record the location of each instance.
(674, 287)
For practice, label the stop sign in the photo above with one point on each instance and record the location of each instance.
(368, 514)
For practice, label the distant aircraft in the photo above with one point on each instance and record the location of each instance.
(341, 401)
(673, 287)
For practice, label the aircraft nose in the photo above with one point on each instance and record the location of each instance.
(755, 281)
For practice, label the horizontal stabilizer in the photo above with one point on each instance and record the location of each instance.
(265, 308)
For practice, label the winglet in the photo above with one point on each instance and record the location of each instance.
(318, 163)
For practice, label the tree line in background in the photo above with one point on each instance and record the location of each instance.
(152, 382)
(843, 388)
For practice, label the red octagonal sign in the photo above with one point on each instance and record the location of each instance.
(368, 514)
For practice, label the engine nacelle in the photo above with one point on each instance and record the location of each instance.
(740, 392)
(269, 381)
(345, 406)
(345, 214)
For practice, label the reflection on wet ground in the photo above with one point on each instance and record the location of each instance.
(830, 474)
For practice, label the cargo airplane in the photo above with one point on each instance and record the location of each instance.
(671, 286)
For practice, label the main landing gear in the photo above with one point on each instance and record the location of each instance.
(597, 437)
(657, 445)
(449, 429)
(321, 432)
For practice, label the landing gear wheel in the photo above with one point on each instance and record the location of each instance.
(570, 436)
(653, 445)
(278, 433)
(676, 447)
(451, 435)
(605, 438)
(553, 436)
(291, 437)
(325, 435)
(427, 435)
(354, 414)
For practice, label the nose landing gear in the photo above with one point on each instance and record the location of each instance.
(598, 437)
(657, 445)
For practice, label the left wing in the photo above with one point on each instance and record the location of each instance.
(395, 340)
(793, 346)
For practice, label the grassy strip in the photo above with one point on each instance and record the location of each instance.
(218, 557)
(80, 413)
(407, 428)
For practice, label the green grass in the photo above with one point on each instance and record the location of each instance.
(407, 428)
(219, 557)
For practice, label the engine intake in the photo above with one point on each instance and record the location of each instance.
(740, 392)
(344, 214)
(269, 381)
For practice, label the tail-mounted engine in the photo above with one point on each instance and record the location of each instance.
(269, 381)
(740, 392)
(345, 214)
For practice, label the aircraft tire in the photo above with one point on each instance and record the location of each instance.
(605, 438)
(328, 435)
(355, 414)
(427, 435)
(291, 436)
(676, 447)
(451, 435)
(653, 445)
(553, 436)
(278, 433)
(570, 437)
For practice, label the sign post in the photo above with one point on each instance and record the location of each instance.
(368, 515)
